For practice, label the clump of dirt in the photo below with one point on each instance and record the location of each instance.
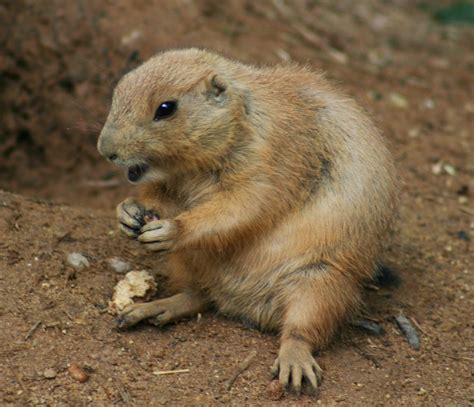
(58, 64)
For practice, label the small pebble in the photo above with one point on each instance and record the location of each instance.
(437, 168)
(443, 167)
(429, 103)
(414, 133)
(283, 55)
(131, 38)
(49, 373)
(77, 373)
(77, 260)
(449, 169)
(463, 236)
(119, 265)
(398, 100)
(466, 190)
(274, 390)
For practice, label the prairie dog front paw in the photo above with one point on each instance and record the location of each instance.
(132, 216)
(159, 235)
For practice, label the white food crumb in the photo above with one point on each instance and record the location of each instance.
(136, 285)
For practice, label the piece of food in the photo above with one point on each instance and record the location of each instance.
(136, 286)
(150, 216)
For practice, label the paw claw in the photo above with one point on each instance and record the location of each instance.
(295, 365)
(159, 312)
(160, 319)
(130, 216)
(127, 230)
(121, 323)
(275, 369)
(284, 376)
(296, 378)
(130, 315)
(318, 372)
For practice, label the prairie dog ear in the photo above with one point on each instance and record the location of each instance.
(215, 87)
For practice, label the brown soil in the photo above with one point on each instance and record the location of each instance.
(58, 63)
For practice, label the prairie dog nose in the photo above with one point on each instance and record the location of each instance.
(106, 146)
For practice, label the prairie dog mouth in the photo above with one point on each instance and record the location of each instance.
(136, 172)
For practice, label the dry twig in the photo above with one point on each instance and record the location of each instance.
(124, 394)
(166, 372)
(454, 357)
(242, 367)
(416, 323)
(20, 382)
(32, 330)
(369, 356)
(466, 210)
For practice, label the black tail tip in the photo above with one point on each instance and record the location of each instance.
(386, 277)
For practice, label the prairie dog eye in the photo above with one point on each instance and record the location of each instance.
(165, 110)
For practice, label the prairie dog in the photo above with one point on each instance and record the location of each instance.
(274, 193)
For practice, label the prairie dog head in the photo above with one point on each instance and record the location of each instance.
(175, 112)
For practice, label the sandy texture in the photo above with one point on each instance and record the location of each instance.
(58, 63)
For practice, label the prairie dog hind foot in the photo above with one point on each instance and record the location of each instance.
(163, 311)
(295, 366)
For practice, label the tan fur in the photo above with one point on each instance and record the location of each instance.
(277, 196)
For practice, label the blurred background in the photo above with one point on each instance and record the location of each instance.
(409, 62)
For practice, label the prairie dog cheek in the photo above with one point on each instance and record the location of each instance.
(156, 174)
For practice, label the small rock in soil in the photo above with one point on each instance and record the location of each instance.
(49, 373)
(274, 390)
(467, 190)
(463, 236)
(119, 265)
(463, 190)
(78, 373)
(409, 331)
(77, 260)
(443, 167)
(437, 168)
(449, 169)
(398, 100)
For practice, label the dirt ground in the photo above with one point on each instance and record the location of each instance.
(58, 63)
